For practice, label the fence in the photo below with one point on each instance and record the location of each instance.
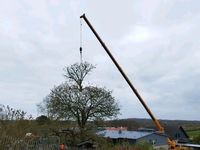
(10, 143)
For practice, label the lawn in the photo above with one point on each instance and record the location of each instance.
(193, 133)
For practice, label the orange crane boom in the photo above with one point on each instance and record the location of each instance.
(172, 144)
(160, 128)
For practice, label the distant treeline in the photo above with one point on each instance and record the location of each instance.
(135, 123)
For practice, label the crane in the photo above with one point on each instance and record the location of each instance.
(172, 144)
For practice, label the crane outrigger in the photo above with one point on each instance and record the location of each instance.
(171, 143)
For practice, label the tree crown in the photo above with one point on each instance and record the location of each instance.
(70, 100)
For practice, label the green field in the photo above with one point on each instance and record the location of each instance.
(194, 133)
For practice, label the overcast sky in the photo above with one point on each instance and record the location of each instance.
(157, 42)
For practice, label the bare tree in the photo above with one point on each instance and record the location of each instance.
(71, 100)
(8, 113)
(77, 73)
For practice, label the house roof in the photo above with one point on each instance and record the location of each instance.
(123, 134)
(171, 130)
(116, 128)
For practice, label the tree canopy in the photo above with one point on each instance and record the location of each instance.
(41, 120)
(72, 100)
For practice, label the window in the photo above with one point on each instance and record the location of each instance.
(153, 141)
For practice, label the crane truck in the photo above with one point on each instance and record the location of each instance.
(172, 145)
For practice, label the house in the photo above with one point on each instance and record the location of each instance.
(133, 137)
(177, 133)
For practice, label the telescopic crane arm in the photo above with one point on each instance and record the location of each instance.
(160, 128)
(172, 143)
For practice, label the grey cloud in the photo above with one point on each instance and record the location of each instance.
(156, 42)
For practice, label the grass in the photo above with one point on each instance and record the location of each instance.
(193, 133)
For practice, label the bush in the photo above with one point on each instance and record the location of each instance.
(196, 139)
(41, 120)
(143, 146)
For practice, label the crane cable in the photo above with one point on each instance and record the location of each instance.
(81, 57)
